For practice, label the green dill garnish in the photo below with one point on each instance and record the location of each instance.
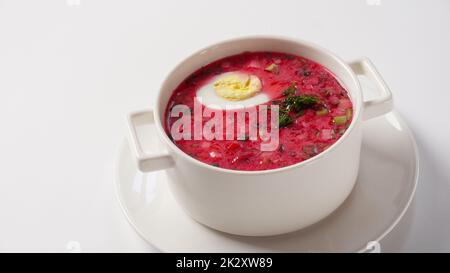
(293, 104)
(291, 90)
(299, 113)
(298, 103)
(284, 119)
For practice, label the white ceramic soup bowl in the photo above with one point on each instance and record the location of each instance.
(270, 202)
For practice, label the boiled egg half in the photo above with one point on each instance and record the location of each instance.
(232, 90)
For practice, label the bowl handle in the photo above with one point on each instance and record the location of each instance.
(381, 105)
(146, 162)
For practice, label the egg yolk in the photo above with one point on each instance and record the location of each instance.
(237, 86)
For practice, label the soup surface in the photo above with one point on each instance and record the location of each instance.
(314, 109)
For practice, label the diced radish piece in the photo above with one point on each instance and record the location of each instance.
(334, 100)
(326, 134)
(302, 136)
(215, 154)
(345, 103)
(254, 64)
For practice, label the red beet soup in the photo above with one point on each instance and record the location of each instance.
(314, 109)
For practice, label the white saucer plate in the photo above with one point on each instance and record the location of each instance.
(384, 189)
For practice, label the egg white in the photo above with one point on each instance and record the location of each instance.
(207, 96)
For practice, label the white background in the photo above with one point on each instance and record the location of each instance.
(70, 70)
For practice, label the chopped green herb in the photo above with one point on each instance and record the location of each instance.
(284, 119)
(299, 113)
(322, 112)
(348, 114)
(293, 103)
(340, 120)
(291, 90)
(306, 73)
(298, 103)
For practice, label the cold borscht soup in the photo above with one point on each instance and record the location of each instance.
(258, 111)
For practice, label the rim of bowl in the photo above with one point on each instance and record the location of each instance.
(356, 115)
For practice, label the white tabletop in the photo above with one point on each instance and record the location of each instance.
(70, 70)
